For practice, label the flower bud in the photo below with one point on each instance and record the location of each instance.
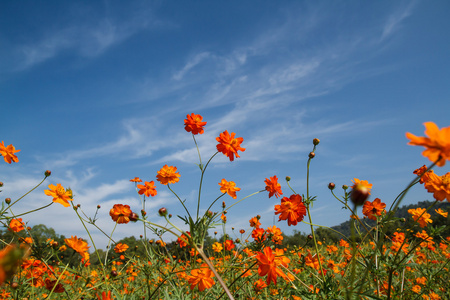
(8, 200)
(232, 228)
(311, 154)
(170, 216)
(345, 187)
(114, 273)
(316, 142)
(47, 173)
(1, 184)
(223, 204)
(141, 236)
(310, 237)
(14, 285)
(162, 211)
(78, 205)
(359, 194)
(134, 217)
(331, 186)
(288, 178)
(215, 232)
(143, 212)
(258, 217)
(151, 242)
(237, 241)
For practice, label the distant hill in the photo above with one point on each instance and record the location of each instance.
(401, 219)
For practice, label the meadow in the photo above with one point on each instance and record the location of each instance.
(383, 257)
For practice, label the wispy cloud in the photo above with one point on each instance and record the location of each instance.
(394, 20)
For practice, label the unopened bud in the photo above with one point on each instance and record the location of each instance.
(215, 232)
(237, 241)
(288, 178)
(223, 204)
(98, 206)
(162, 211)
(8, 200)
(170, 216)
(316, 142)
(1, 184)
(134, 217)
(47, 173)
(258, 217)
(14, 285)
(331, 186)
(114, 273)
(345, 187)
(311, 154)
(78, 205)
(359, 194)
(151, 242)
(232, 228)
(143, 212)
(310, 237)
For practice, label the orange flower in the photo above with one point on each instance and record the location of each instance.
(229, 245)
(259, 235)
(291, 209)
(268, 265)
(201, 278)
(183, 239)
(223, 217)
(441, 212)
(105, 296)
(120, 213)
(193, 123)
(148, 189)
(437, 143)
(259, 285)
(438, 185)
(168, 175)
(8, 153)
(16, 225)
(229, 145)
(254, 222)
(59, 194)
(276, 234)
(373, 209)
(273, 187)
(136, 179)
(79, 245)
(420, 171)
(421, 216)
(229, 187)
(312, 261)
(119, 248)
(10, 258)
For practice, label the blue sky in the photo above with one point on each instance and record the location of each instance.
(97, 92)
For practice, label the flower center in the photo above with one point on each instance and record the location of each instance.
(446, 179)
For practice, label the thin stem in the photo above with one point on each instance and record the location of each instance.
(201, 182)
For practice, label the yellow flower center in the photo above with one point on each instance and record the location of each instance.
(60, 192)
(446, 179)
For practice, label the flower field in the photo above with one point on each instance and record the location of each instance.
(374, 261)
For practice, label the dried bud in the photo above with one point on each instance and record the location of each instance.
(359, 194)
(47, 173)
(134, 217)
(14, 285)
(8, 200)
(316, 142)
(331, 186)
(162, 211)
(311, 154)
(310, 237)
(114, 273)
(288, 178)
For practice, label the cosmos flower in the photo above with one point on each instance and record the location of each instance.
(193, 123)
(421, 216)
(202, 278)
(229, 145)
(229, 187)
(16, 225)
(119, 248)
(291, 209)
(120, 213)
(268, 265)
(273, 187)
(168, 175)
(437, 143)
(8, 153)
(373, 209)
(148, 189)
(79, 245)
(59, 194)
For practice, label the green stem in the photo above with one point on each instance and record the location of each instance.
(24, 195)
(201, 182)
